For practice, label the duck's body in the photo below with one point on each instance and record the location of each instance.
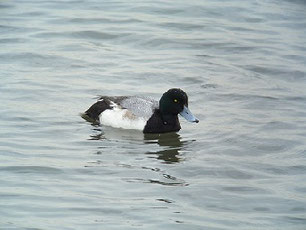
(142, 113)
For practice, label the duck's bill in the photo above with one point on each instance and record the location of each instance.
(186, 113)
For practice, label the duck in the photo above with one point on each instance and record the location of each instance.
(142, 113)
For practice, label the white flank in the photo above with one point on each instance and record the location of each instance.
(122, 118)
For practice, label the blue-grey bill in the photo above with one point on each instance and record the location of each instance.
(186, 113)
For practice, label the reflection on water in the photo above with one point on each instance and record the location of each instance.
(98, 135)
(163, 147)
(171, 143)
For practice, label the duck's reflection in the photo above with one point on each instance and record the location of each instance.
(166, 147)
(171, 143)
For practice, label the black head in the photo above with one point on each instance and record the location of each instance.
(173, 102)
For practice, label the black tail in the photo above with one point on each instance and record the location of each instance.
(93, 113)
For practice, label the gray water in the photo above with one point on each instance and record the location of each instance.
(242, 64)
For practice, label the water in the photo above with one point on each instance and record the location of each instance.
(242, 64)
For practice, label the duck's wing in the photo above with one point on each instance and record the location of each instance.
(139, 106)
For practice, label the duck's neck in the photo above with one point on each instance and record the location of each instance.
(162, 123)
(169, 119)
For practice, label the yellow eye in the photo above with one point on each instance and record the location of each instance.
(175, 100)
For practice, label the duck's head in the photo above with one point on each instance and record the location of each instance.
(174, 102)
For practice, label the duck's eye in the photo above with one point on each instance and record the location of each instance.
(175, 100)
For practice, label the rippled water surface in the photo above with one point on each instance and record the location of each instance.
(242, 64)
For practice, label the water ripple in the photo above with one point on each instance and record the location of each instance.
(31, 169)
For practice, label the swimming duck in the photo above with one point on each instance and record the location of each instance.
(143, 113)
